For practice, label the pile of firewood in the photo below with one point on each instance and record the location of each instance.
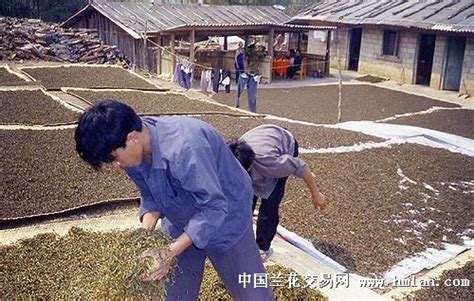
(27, 39)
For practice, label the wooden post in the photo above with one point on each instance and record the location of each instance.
(145, 50)
(158, 55)
(338, 54)
(271, 37)
(226, 46)
(327, 59)
(191, 45)
(173, 54)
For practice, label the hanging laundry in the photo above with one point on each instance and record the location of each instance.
(249, 82)
(225, 81)
(178, 75)
(183, 74)
(216, 79)
(206, 80)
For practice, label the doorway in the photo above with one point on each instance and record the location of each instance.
(354, 48)
(425, 59)
(454, 60)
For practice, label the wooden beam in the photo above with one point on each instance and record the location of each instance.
(158, 55)
(173, 54)
(271, 38)
(145, 49)
(191, 45)
(327, 62)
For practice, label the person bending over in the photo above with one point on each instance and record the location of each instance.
(269, 153)
(188, 177)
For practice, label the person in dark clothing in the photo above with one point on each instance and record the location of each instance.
(269, 153)
(296, 65)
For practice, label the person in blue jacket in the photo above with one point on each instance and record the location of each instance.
(188, 178)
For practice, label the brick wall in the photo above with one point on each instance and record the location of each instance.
(343, 44)
(399, 68)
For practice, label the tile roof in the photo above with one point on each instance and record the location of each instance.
(440, 15)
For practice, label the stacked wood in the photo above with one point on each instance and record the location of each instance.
(29, 39)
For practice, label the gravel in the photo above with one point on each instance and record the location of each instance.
(41, 174)
(307, 136)
(371, 223)
(153, 103)
(53, 78)
(318, 104)
(457, 122)
(7, 78)
(33, 108)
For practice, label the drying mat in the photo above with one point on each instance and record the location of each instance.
(9, 78)
(42, 174)
(318, 104)
(212, 288)
(458, 122)
(153, 102)
(34, 107)
(87, 76)
(384, 204)
(308, 136)
(451, 285)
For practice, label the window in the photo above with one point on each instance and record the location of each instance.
(390, 42)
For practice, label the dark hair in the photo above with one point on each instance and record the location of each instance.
(242, 151)
(103, 128)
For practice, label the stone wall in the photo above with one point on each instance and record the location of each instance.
(343, 36)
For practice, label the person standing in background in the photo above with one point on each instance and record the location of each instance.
(239, 61)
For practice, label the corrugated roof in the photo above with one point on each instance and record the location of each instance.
(135, 18)
(441, 15)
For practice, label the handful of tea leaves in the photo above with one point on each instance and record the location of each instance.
(82, 264)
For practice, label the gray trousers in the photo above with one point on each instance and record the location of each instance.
(243, 257)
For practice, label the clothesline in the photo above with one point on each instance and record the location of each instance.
(177, 56)
(203, 67)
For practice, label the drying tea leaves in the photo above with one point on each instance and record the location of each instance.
(81, 265)
(308, 136)
(53, 78)
(41, 173)
(7, 78)
(318, 104)
(212, 288)
(457, 122)
(370, 79)
(153, 103)
(33, 108)
(445, 289)
(384, 205)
